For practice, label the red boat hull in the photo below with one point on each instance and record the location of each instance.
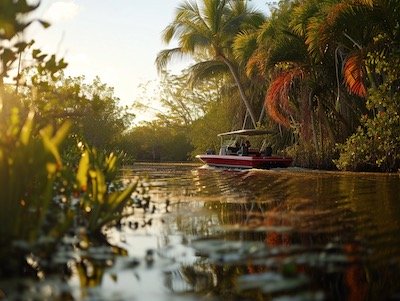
(246, 162)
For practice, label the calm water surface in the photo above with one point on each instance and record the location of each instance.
(211, 235)
(286, 234)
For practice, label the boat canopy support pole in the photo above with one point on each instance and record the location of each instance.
(245, 120)
(262, 113)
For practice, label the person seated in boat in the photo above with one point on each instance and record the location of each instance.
(244, 149)
(232, 150)
(268, 151)
(265, 149)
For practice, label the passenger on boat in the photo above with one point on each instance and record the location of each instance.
(265, 149)
(244, 149)
(232, 150)
(268, 151)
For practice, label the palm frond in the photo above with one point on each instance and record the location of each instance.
(354, 75)
(364, 2)
(166, 55)
(265, 32)
(335, 18)
(168, 33)
(244, 45)
(301, 15)
(277, 98)
(193, 41)
(205, 70)
(242, 17)
(313, 37)
(190, 16)
(258, 62)
(214, 11)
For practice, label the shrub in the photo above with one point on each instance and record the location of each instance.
(376, 144)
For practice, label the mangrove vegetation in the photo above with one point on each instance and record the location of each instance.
(324, 76)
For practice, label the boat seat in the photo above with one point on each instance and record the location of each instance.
(267, 151)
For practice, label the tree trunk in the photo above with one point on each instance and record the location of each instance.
(241, 89)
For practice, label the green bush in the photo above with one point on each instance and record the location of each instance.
(305, 155)
(376, 144)
(38, 194)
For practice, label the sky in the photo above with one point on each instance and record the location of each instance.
(117, 40)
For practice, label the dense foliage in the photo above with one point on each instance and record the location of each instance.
(375, 145)
(329, 86)
(330, 90)
(53, 184)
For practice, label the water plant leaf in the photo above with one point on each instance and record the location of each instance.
(83, 167)
(27, 129)
(61, 133)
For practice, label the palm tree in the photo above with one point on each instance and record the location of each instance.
(376, 31)
(280, 57)
(208, 31)
(301, 91)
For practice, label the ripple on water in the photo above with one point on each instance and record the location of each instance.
(280, 234)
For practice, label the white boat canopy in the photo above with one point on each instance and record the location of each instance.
(246, 132)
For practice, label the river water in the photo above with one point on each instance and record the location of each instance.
(282, 234)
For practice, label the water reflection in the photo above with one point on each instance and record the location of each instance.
(200, 234)
(263, 235)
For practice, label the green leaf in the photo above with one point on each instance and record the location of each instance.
(61, 133)
(35, 53)
(83, 168)
(27, 129)
(46, 134)
(44, 23)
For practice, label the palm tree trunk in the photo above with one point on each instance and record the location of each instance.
(241, 89)
(314, 131)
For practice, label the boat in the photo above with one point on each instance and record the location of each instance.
(236, 152)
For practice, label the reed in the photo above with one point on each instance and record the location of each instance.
(29, 165)
(103, 197)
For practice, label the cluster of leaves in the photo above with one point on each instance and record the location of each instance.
(376, 143)
(28, 169)
(92, 108)
(40, 197)
(103, 199)
(49, 186)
